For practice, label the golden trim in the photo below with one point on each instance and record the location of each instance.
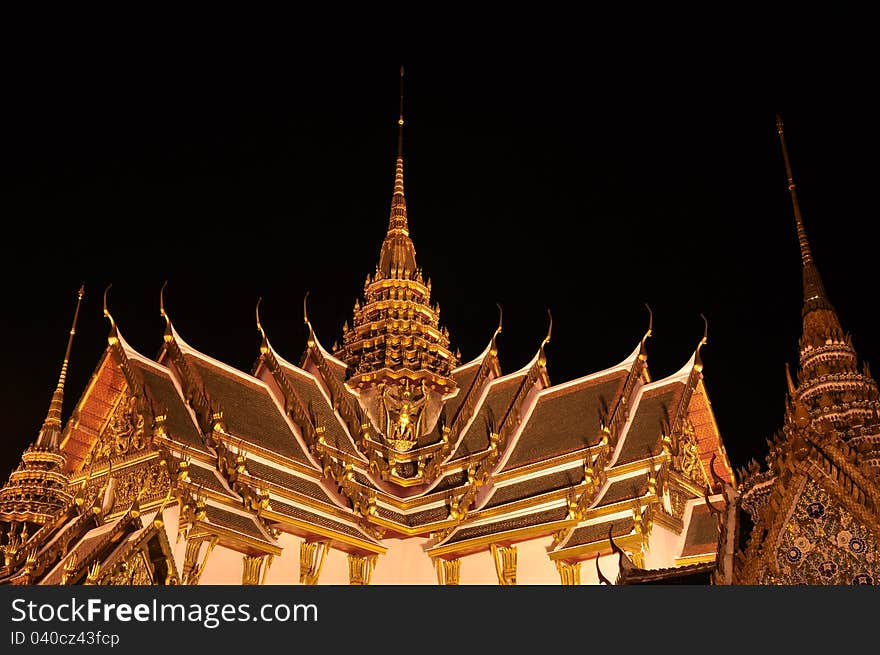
(631, 541)
(276, 517)
(695, 559)
(520, 534)
(360, 568)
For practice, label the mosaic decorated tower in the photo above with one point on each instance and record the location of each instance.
(814, 509)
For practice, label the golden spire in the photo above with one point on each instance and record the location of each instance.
(813, 289)
(51, 430)
(398, 256)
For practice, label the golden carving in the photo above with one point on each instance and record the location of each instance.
(134, 570)
(569, 573)
(69, 568)
(311, 560)
(447, 570)
(360, 568)
(123, 434)
(505, 563)
(192, 569)
(403, 415)
(250, 574)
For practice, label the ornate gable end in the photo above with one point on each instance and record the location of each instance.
(822, 543)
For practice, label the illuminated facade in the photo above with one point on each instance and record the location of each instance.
(384, 460)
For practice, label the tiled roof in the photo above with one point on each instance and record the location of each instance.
(179, 421)
(566, 420)
(527, 520)
(233, 521)
(655, 409)
(282, 478)
(310, 396)
(249, 411)
(596, 532)
(207, 478)
(702, 534)
(634, 487)
(497, 404)
(464, 379)
(539, 485)
(305, 516)
(416, 518)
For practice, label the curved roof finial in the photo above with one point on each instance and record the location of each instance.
(624, 562)
(493, 345)
(113, 337)
(542, 357)
(698, 362)
(311, 340)
(264, 342)
(643, 355)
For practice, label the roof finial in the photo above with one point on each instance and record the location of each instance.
(698, 361)
(643, 355)
(113, 336)
(806, 254)
(400, 120)
(311, 337)
(51, 429)
(264, 342)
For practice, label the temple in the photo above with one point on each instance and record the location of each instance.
(812, 516)
(384, 460)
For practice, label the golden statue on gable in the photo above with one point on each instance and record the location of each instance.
(403, 415)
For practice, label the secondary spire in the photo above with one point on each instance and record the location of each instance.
(813, 289)
(51, 430)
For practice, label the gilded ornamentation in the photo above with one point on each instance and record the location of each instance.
(192, 568)
(403, 415)
(134, 570)
(505, 563)
(360, 568)
(311, 560)
(569, 572)
(447, 570)
(124, 433)
(252, 565)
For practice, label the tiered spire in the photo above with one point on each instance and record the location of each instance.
(398, 256)
(38, 489)
(396, 332)
(830, 386)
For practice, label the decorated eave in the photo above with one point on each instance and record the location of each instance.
(619, 471)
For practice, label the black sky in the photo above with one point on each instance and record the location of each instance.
(588, 184)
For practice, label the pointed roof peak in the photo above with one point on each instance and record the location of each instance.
(50, 433)
(813, 288)
(398, 255)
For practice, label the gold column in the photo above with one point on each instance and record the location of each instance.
(250, 574)
(569, 573)
(360, 568)
(192, 569)
(447, 570)
(311, 559)
(69, 568)
(505, 563)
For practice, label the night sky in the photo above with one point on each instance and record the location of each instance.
(588, 184)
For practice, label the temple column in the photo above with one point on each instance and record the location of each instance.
(447, 570)
(311, 559)
(569, 572)
(192, 569)
(360, 568)
(252, 565)
(505, 563)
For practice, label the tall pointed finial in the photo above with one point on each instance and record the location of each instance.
(806, 254)
(264, 342)
(51, 430)
(813, 288)
(542, 356)
(400, 120)
(112, 338)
